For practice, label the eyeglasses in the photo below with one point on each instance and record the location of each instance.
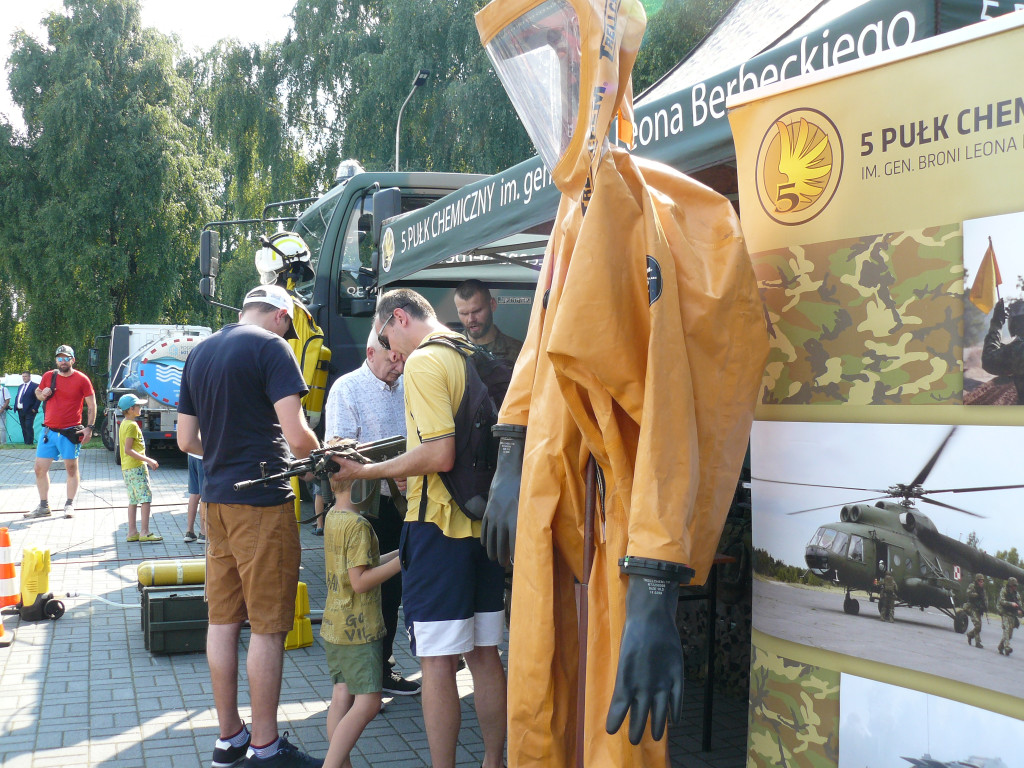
(63, 359)
(381, 338)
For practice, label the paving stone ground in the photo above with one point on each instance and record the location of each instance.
(83, 691)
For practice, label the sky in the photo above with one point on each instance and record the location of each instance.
(876, 456)
(199, 24)
(880, 723)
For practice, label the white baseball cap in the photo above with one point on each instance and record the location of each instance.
(275, 296)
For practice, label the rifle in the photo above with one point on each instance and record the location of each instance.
(320, 463)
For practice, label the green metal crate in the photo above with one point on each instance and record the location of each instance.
(174, 619)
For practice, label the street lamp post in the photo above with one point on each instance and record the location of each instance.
(421, 78)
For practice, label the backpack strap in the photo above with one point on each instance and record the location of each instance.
(53, 388)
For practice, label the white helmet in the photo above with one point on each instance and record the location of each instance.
(282, 252)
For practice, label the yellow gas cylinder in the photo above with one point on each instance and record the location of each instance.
(301, 634)
(35, 574)
(169, 573)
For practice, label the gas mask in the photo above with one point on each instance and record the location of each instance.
(565, 65)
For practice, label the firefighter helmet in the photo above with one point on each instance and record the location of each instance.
(283, 253)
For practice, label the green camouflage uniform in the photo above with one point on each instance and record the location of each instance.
(1004, 358)
(887, 599)
(503, 346)
(1009, 611)
(976, 607)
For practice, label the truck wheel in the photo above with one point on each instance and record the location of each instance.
(107, 435)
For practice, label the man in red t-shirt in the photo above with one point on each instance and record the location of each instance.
(62, 393)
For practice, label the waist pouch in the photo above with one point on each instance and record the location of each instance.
(75, 434)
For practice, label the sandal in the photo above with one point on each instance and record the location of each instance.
(132, 537)
(150, 537)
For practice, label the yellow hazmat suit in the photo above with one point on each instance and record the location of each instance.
(645, 349)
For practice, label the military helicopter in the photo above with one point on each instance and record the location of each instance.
(891, 535)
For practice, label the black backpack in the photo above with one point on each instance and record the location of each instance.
(476, 450)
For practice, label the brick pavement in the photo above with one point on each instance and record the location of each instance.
(83, 691)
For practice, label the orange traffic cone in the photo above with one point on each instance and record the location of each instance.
(9, 592)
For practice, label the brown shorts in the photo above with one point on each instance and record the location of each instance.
(252, 565)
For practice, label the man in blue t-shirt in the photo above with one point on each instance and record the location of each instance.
(241, 389)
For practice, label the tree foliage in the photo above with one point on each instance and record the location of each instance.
(351, 66)
(107, 185)
(672, 32)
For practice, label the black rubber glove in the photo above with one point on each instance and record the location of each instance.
(498, 529)
(998, 316)
(649, 680)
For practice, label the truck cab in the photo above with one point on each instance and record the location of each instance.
(337, 228)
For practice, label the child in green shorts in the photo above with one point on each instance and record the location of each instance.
(135, 468)
(353, 625)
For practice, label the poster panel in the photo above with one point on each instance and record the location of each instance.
(836, 507)
(868, 200)
(853, 195)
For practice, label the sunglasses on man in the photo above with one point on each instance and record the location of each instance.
(381, 338)
(63, 359)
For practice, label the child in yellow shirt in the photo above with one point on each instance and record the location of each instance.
(353, 625)
(135, 468)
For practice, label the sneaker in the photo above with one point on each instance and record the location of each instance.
(227, 756)
(69, 509)
(40, 511)
(288, 756)
(318, 531)
(396, 685)
(201, 538)
(190, 537)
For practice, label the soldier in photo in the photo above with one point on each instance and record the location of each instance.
(887, 598)
(1006, 358)
(1009, 612)
(976, 607)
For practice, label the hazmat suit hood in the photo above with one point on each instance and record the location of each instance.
(566, 67)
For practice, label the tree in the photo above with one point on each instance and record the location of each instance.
(672, 32)
(351, 65)
(108, 184)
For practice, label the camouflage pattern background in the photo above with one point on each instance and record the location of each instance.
(794, 714)
(870, 320)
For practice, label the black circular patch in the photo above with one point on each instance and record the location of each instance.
(653, 280)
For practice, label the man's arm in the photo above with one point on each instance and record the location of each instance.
(90, 404)
(425, 459)
(188, 434)
(300, 437)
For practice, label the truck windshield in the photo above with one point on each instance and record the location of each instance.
(312, 226)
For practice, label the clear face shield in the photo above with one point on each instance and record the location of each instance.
(538, 59)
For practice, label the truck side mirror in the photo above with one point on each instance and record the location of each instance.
(387, 203)
(94, 357)
(207, 287)
(364, 225)
(209, 256)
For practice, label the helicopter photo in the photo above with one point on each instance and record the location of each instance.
(888, 532)
(886, 725)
